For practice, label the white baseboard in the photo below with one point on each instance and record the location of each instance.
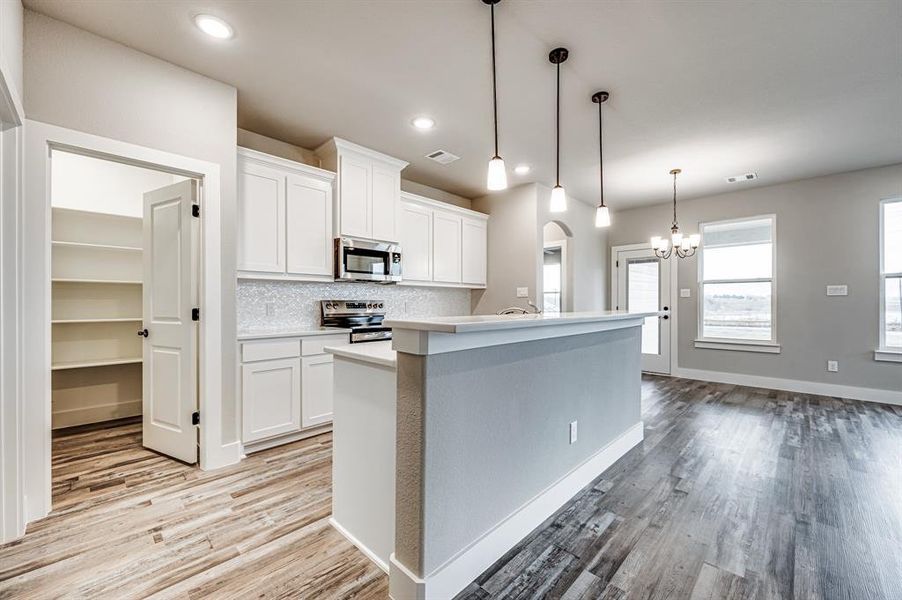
(469, 563)
(84, 415)
(360, 546)
(225, 455)
(793, 385)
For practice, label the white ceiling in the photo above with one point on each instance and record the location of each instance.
(789, 90)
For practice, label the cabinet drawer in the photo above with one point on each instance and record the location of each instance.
(270, 349)
(315, 345)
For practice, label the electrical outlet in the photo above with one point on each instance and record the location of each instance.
(270, 309)
(523, 292)
(573, 431)
(685, 293)
(832, 366)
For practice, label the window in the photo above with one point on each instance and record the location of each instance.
(891, 275)
(736, 283)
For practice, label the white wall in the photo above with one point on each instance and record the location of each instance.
(12, 517)
(84, 183)
(827, 231)
(81, 81)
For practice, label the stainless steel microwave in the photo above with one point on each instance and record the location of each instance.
(366, 260)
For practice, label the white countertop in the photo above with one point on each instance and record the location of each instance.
(379, 353)
(476, 323)
(262, 334)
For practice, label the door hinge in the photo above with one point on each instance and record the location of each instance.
(195, 314)
(195, 210)
(195, 418)
(617, 264)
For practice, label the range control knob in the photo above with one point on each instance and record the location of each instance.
(369, 305)
(381, 305)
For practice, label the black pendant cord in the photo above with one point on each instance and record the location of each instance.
(557, 127)
(675, 226)
(600, 156)
(494, 83)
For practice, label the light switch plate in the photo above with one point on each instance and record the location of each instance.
(685, 292)
(838, 290)
(573, 431)
(833, 366)
(523, 292)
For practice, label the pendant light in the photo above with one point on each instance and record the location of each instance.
(684, 245)
(602, 215)
(497, 176)
(558, 196)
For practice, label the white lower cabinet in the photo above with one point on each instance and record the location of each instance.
(286, 387)
(316, 390)
(271, 394)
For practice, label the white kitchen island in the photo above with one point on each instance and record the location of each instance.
(498, 421)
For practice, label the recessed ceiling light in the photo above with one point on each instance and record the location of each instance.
(521, 169)
(423, 123)
(214, 27)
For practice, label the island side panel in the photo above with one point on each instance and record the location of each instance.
(409, 462)
(497, 422)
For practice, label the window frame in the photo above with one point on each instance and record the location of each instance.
(718, 343)
(884, 352)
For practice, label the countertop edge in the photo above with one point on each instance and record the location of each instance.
(262, 335)
(512, 322)
(356, 354)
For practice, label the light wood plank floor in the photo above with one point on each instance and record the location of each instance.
(129, 523)
(735, 493)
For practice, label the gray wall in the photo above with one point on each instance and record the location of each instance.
(827, 230)
(512, 243)
(518, 216)
(80, 81)
(481, 432)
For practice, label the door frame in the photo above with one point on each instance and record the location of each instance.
(40, 139)
(674, 297)
(565, 274)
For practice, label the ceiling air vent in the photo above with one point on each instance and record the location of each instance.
(743, 177)
(442, 157)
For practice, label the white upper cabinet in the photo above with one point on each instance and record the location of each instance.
(446, 247)
(415, 225)
(474, 234)
(284, 218)
(369, 189)
(442, 245)
(261, 214)
(308, 220)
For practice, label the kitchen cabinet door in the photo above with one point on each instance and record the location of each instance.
(355, 181)
(446, 240)
(415, 225)
(261, 219)
(316, 390)
(308, 213)
(473, 242)
(385, 199)
(270, 398)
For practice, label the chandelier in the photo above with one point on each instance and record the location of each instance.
(684, 245)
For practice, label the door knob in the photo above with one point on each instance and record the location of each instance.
(666, 308)
(143, 332)
(665, 317)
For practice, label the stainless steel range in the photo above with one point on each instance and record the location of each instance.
(362, 317)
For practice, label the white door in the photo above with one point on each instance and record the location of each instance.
(270, 398)
(316, 390)
(385, 192)
(473, 242)
(416, 241)
(354, 197)
(261, 219)
(446, 255)
(642, 284)
(170, 343)
(308, 223)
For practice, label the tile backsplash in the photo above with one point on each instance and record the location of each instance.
(295, 305)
